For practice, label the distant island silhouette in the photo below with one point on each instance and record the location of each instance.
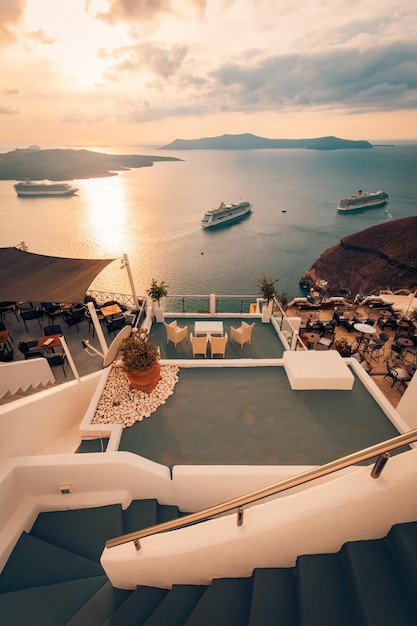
(62, 164)
(247, 141)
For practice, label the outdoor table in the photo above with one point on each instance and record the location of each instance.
(364, 329)
(4, 338)
(207, 327)
(311, 338)
(111, 309)
(404, 342)
(385, 313)
(402, 324)
(48, 342)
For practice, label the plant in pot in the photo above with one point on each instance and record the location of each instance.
(267, 290)
(343, 347)
(141, 360)
(156, 292)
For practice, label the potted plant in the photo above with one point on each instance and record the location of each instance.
(343, 347)
(156, 292)
(141, 360)
(266, 286)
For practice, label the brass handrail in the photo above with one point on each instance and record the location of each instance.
(264, 492)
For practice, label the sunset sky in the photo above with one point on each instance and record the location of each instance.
(132, 72)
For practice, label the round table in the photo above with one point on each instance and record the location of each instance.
(365, 329)
(385, 313)
(402, 324)
(404, 342)
(310, 337)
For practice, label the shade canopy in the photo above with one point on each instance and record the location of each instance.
(34, 277)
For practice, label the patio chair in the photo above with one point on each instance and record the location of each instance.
(57, 359)
(199, 344)
(31, 314)
(28, 349)
(243, 334)
(52, 310)
(74, 316)
(8, 307)
(52, 329)
(115, 324)
(175, 333)
(218, 345)
(398, 375)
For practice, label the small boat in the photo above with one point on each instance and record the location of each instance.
(30, 188)
(363, 200)
(226, 213)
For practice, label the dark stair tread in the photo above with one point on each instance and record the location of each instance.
(380, 590)
(138, 607)
(35, 563)
(101, 606)
(323, 591)
(166, 513)
(402, 540)
(92, 445)
(176, 606)
(53, 605)
(274, 599)
(140, 514)
(94, 527)
(226, 601)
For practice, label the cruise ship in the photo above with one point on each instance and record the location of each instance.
(30, 188)
(363, 200)
(111, 536)
(225, 214)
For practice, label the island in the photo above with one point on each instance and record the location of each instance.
(65, 164)
(379, 257)
(247, 141)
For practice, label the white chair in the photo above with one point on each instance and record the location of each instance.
(199, 344)
(175, 333)
(218, 345)
(243, 334)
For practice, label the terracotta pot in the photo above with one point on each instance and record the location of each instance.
(146, 380)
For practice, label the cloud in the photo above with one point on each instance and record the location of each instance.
(5, 110)
(39, 37)
(11, 17)
(161, 60)
(375, 79)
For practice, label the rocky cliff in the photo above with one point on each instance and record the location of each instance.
(380, 257)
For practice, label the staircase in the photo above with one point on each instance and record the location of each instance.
(54, 578)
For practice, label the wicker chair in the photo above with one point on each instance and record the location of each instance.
(243, 334)
(175, 333)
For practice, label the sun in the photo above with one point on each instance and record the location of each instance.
(71, 38)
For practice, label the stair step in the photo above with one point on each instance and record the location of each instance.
(402, 539)
(36, 563)
(176, 606)
(101, 606)
(323, 591)
(226, 601)
(53, 605)
(140, 514)
(94, 526)
(380, 590)
(92, 445)
(138, 607)
(274, 600)
(166, 513)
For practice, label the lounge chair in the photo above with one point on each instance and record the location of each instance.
(243, 334)
(175, 333)
(218, 345)
(199, 344)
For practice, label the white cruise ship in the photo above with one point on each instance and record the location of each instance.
(363, 200)
(226, 213)
(32, 188)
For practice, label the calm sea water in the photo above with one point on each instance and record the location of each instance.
(153, 214)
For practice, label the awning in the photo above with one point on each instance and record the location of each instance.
(27, 277)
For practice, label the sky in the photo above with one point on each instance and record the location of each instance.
(136, 72)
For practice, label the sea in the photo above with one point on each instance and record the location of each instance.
(153, 215)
